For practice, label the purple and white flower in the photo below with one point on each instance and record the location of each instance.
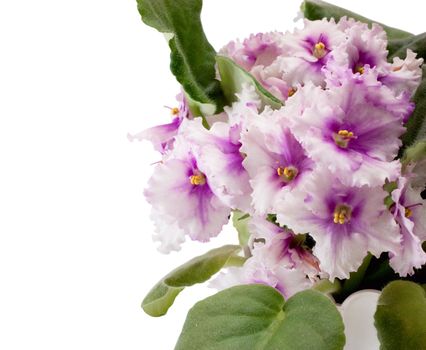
(180, 190)
(275, 160)
(364, 48)
(349, 132)
(346, 222)
(307, 51)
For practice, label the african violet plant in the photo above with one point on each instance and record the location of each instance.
(315, 142)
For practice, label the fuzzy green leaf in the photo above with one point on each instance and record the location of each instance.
(400, 317)
(197, 270)
(192, 56)
(256, 317)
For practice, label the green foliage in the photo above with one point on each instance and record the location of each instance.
(192, 56)
(400, 317)
(233, 77)
(257, 317)
(197, 270)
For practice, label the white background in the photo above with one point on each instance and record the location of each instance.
(76, 256)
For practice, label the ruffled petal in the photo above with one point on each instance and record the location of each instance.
(167, 232)
(171, 191)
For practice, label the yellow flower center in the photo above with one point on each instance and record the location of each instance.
(197, 179)
(360, 70)
(291, 92)
(175, 111)
(342, 214)
(287, 173)
(408, 213)
(343, 137)
(319, 50)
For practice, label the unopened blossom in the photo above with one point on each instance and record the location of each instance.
(346, 222)
(180, 189)
(409, 210)
(349, 132)
(275, 160)
(162, 136)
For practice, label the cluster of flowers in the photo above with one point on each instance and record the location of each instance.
(312, 174)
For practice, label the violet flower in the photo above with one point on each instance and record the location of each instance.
(308, 51)
(346, 222)
(349, 132)
(179, 189)
(275, 160)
